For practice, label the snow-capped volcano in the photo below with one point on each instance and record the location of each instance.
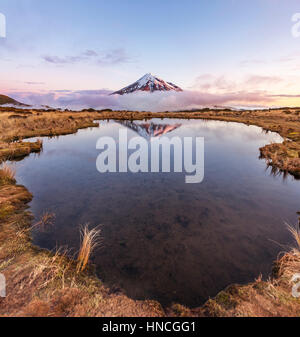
(148, 83)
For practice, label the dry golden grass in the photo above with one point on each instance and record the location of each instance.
(295, 231)
(17, 124)
(289, 263)
(89, 241)
(41, 124)
(51, 268)
(36, 124)
(7, 173)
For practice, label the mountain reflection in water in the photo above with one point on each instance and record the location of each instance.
(150, 130)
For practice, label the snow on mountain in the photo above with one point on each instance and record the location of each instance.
(148, 83)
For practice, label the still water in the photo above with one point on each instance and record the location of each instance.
(164, 239)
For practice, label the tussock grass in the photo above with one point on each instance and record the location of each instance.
(289, 263)
(89, 241)
(295, 231)
(7, 174)
(36, 125)
(49, 269)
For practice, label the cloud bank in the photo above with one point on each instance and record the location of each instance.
(157, 101)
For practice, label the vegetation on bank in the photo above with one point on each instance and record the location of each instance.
(42, 283)
(18, 124)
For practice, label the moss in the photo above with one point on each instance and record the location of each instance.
(213, 309)
(260, 287)
(5, 211)
(226, 300)
(244, 293)
(6, 181)
(180, 310)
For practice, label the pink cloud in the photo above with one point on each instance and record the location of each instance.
(257, 79)
(158, 101)
(223, 84)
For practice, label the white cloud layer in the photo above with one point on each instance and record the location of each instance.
(144, 101)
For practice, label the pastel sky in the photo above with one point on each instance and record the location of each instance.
(218, 51)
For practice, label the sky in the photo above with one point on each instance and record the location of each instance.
(221, 52)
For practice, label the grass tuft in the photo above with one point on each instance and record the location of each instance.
(295, 231)
(7, 174)
(48, 269)
(289, 263)
(89, 241)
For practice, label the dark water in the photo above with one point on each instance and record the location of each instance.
(164, 239)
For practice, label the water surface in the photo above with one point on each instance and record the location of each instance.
(161, 238)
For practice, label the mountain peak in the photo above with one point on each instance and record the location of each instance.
(148, 83)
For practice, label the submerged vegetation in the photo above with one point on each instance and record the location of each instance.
(43, 283)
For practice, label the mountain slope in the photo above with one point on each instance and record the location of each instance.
(148, 83)
(7, 100)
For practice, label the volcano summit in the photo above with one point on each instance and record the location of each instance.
(148, 83)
